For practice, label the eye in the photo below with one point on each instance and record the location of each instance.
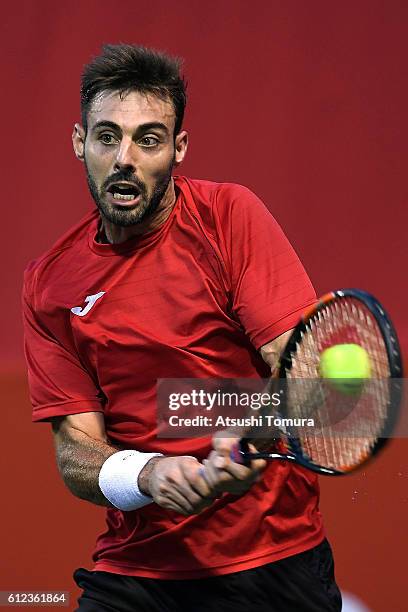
(107, 138)
(149, 141)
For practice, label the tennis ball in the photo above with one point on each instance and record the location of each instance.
(346, 366)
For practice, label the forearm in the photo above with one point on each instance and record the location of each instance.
(89, 464)
(272, 351)
(79, 459)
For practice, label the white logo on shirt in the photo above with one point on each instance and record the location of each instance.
(90, 301)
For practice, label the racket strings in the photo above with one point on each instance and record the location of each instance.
(346, 426)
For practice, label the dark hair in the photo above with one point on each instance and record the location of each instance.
(126, 68)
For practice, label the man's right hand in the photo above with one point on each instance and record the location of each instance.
(176, 483)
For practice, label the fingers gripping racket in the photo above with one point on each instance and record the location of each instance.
(340, 320)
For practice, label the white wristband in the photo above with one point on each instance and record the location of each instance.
(118, 479)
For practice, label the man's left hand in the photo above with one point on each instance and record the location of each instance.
(225, 475)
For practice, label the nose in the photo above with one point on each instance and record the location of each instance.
(125, 158)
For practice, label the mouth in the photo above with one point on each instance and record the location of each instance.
(123, 194)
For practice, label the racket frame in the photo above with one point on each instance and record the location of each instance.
(242, 453)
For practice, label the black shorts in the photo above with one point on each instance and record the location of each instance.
(300, 583)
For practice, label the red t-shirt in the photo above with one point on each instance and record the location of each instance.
(194, 299)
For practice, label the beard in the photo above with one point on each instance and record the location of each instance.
(145, 208)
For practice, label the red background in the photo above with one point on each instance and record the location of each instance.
(305, 103)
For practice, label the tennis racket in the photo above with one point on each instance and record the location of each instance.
(342, 440)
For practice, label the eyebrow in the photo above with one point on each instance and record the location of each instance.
(151, 125)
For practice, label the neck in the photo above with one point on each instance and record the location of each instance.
(115, 234)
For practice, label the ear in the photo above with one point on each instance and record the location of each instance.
(181, 144)
(78, 141)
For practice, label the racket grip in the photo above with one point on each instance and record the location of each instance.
(239, 452)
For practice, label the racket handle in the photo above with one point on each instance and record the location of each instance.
(239, 452)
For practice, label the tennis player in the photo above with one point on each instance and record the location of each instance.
(168, 277)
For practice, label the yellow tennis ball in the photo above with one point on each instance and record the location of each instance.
(346, 366)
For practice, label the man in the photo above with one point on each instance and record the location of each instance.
(168, 278)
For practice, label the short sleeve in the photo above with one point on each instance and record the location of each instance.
(58, 383)
(270, 288)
